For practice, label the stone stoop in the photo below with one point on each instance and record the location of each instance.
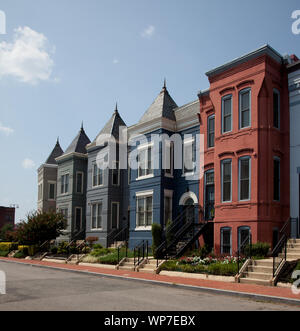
(150, 266)
(128, 264)
(118, 244)
(293, 250)
(259, 272)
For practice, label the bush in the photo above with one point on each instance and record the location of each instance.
(27, 250)
(156, 237)
(5, 230)
(4, 253)
(19, 255)
(97, 246)
(63, 248)
(6, 246)
(258, 250)
(86, 250)
(220, 269)
(101, 252)
(54, 250)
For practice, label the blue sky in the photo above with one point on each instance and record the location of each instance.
(67, 61)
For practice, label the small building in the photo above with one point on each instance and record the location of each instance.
(7, 216)
(47, 181)
(71, 186)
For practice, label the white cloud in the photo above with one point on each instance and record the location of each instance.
(27, 58)
(28, 164)
(148, 32)
(6, 130)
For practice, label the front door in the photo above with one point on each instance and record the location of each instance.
(209, 206)
(189, 211)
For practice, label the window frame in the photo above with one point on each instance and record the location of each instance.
(149, 173)
(168, 194)
(244, 91)
(211, 117)
(81, 218)
(97, 204)
(144, 196)
(64, 184)
(224, 98)
(277, 159)
(188, 141)
(49, 184)
(100, 172)
(222, 230)
(222, 180)
(118, 214)
(169, 149)
(239, 177)
(113, 172)
(82, 181)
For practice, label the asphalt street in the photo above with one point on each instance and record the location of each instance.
(39, 289)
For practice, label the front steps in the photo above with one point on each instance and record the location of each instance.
(147, 266)
(260, 272)
(150, 266)
(127, 264)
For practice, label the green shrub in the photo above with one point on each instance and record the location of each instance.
(112, 258)
(101, 252)
(5, 246)
(156, 237)
(97, 246)
(19, 255)
(86, 250)
(27, 250)
(63, 248)
(54, 250)
(258, 250)
(220, 269)
(4, 253)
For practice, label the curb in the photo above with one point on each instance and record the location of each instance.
(253, 296)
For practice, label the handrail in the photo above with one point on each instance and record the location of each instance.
(120, 235)
(247, 241)
(119, 250)
(111, 235)
(142, 251)
(281, 246)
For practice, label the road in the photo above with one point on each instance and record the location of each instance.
(39, 289)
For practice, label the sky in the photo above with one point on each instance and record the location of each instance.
(67, 61)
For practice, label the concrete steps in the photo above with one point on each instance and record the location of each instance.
(150, 266)
(127, 265)
(259, 272)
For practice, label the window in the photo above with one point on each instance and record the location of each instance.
(40, 192)
(211, 131)
(226, 174)
(64, 212)
(226, 240)
(144, 211)
(51, 193)
(244, 236)
(145, 161)
(189, 156)
(65, 184)
(169, 158)
(245, 108)
(78, 218)
(115, 215)
(209, 194)
(116, 175)
(276, 109)
(276, 179)
(168, 206)
(227, 114)
(79, 182)
(97, 176)
(244, 178)
(96, 216)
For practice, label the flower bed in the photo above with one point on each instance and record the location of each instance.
(223, 266)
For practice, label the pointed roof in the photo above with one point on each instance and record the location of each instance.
(79, 143)
(57, 152)
(112, 126)
(162, 106)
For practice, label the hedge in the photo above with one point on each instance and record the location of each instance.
(8, 246)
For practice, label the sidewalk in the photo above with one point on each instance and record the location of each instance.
(264, 293)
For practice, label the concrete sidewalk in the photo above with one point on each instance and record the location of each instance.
(257, 292)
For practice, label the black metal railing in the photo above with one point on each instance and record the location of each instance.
(121, 236)
(244, 251)
(279, 252)
(110, 237)
(119, 250)
(141, 252)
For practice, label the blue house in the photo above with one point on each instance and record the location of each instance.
(161, 186)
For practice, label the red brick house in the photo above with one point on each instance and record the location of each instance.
(244, 117)
(7, 216)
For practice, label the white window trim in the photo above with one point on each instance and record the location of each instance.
(112, 174)
(42, 195)
(222, 170)
(118, 214)
(141, 148)
(240, 108)
(169, 194)
(51, 182)
(170, 145)
(144, 194)
(239, 179)
(279, 108)
(97, 185)
(190, 173)
(229, 96)
(96, 204)
(65, 193)
(82, 181)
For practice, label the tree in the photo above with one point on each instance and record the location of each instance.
(40, 227)
(5, 230)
